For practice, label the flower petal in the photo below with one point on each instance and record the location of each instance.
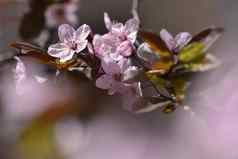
(107, 21)
(124, 63)
(130, 74)
(182, 39)
(131, 100)
(90, 48)
(132, 37)
(115, 88)
(67, 56)
(125, 49)
(82, 32)
(104, 82)
(66, 33)
(62, 51)
(145, 53)
(56, 49)
(131, 29)
(105, 45)
(168, 39)
(132, 25)
(115, 56)
(111, 39)
(117, 29)
(110, 66)
(81, 45)
(97, 42)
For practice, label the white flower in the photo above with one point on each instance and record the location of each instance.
(71, 41)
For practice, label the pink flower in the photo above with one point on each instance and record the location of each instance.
(177, 43)
(115, 75)
(106, 45)
(118, 43)
(125, 32)
(71, 41)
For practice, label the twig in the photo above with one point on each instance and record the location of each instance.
(134, 10)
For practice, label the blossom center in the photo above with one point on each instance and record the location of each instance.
(73, 46)
(123, 37)
(117, 77)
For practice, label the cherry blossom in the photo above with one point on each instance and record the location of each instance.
(177, 43)
(125, 32)
(106, 45)
(118, 43)
(116, 75)
(71, 41)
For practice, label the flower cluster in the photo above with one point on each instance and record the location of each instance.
(147, 70)
(114, 49)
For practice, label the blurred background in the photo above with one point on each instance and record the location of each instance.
(42, 123)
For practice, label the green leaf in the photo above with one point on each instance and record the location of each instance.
(157, 80)
(192, 52)
(208, 36)
(180, 86)
(206, 64)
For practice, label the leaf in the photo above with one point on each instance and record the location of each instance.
(205, 33)
(159, 80)
(160, 87)
(180, 85)
(145, 98)
(148, 103)
(157, 45)
(200, 44)
(31, 51)
(206, 64)
(151, 107)
(208, 37)
(162, 67)
(145, 53)
(192, 52)
(133, 74)
(25, 47)
(175, 88)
